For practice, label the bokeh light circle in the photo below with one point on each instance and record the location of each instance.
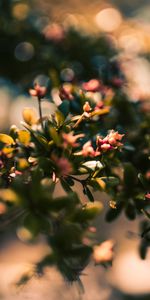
(108, 19)
(24, 51)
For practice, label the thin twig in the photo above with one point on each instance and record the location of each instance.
(40, 112)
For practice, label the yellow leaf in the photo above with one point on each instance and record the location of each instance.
(9, 195)
(6, 139)
(23, 164)
(7, 150)
(24, 137)
(95, 206)
(101, 183)
(29, 115)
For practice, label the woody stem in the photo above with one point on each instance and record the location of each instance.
(40, 112)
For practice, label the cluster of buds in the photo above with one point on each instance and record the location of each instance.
(38, 91)
(111, 141)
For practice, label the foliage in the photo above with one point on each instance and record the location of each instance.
(96, 139)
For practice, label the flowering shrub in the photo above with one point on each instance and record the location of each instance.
(75, 145)
(96, 139)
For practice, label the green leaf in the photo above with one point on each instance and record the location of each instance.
(59, 117)
(130, 176)
(63, 202)
(47, 261)
(88, 193)
(32, 223)
(55, 136)
(112, 214)
(143, 248)
(143, 180)
(130, 211)
(110, 180)
(70, 181)
(23, 280)
(89, 212)
(65, 186)
(64, 107)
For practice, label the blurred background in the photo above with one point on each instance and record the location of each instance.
(52, 42)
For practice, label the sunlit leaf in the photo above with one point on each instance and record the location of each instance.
(24, 137)
(101, 183)
(29, 115)
(59, 117)
(6, 139)
(55, 136)
(9, 195)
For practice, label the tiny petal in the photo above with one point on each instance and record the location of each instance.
(33, 92)
(104, 252)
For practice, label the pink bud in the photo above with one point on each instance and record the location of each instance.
(147, 196)
(87, 107)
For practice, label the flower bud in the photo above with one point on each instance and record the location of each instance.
(87, 107)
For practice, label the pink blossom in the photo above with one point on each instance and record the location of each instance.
(63, 165)
(103, 253)
(111, 141)
(147, 196)
(39, 91)
(114, 138)
(88, 150)
(65, 92)
(70, 139)
(92, 85)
